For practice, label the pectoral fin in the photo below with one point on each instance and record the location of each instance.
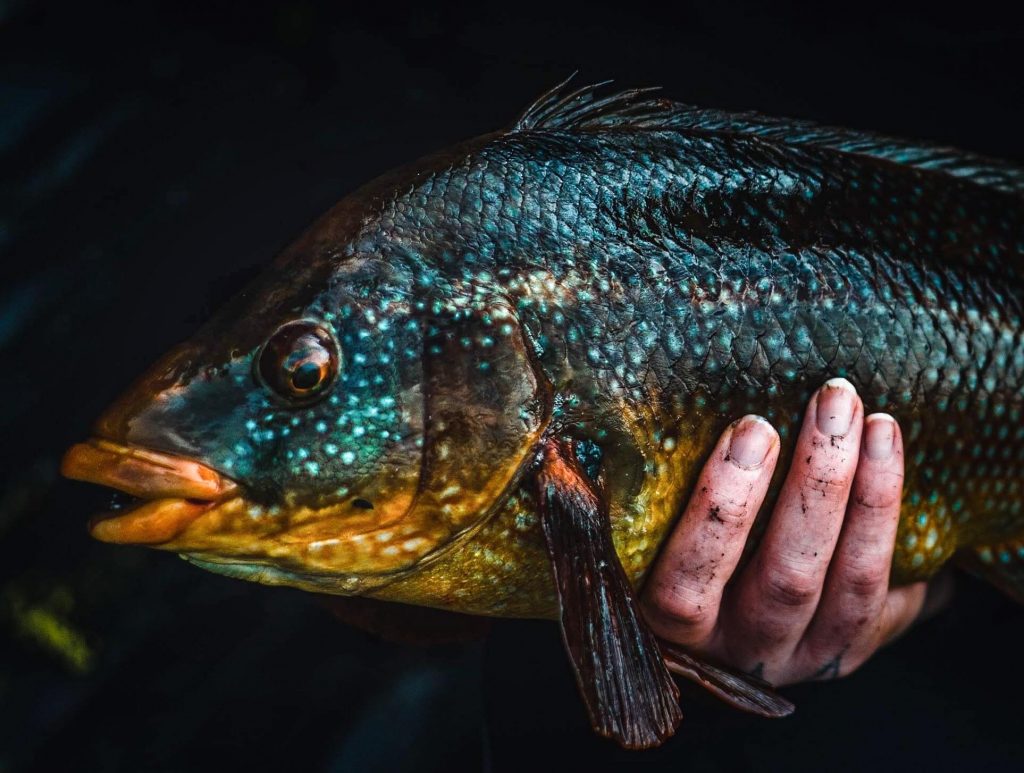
(741, 691)
(628, 690)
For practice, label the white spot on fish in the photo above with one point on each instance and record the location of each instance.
(322, 542)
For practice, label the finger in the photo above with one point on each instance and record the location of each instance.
(911, 604)
(777, 594)
(903, 606)
(684, 592)
(940, 593)
(846, 622)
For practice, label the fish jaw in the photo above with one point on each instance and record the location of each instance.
(177, 491)
(191, 509)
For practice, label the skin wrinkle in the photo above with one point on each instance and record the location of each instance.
(694, 586)
(851, 611)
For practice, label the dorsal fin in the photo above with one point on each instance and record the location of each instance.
(582, 111)
(980, 170)
(559, 109)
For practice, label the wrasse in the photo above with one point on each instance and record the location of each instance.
(486, 383)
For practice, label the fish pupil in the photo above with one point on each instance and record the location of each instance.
(306, 376)
(299, 361)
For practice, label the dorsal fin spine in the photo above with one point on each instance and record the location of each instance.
(581, 111)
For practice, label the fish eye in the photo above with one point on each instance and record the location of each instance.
(299, 361)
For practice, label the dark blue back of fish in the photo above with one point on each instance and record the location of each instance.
(703, 267)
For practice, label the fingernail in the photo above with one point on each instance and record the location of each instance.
(751, 440)
(835, 406)
(879, 436)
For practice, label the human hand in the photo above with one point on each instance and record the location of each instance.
(814, 601)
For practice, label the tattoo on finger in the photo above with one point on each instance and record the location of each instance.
(831, 669)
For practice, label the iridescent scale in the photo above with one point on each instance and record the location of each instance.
(674, 273)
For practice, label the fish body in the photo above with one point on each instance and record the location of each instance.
(586, 299)
(671, 281)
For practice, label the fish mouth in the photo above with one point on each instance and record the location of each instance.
(174, 491)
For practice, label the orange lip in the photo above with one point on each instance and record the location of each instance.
(180, 490)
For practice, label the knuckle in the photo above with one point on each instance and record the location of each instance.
(883, 493)
(728, 511)
(682, 607)
(790, 586)
(825, 484)
(864, 579)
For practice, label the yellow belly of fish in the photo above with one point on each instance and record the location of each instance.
(504, 570)
(950, 502)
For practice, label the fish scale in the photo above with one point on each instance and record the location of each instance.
(857, 267)
(487, 382)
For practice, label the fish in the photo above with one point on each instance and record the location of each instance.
(485, 383)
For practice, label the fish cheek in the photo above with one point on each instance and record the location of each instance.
(347, 473)
(358, 446)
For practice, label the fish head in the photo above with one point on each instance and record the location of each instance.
(328, 431)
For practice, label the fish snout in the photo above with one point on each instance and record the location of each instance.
(175, 491)
(139, 416)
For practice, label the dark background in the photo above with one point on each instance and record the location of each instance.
(153, 154)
